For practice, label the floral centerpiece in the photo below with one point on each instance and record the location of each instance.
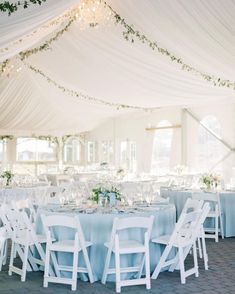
(180, 169)
(105, 191)
(104, 165)
(8, 175)
(121, 173)
(210, 180)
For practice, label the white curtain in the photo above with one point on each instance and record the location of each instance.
(100, 63)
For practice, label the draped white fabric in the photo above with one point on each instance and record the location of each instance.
(100, 63)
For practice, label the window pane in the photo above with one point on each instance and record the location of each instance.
(107, 151)
(72, 151)
(210, 150)
(31, 149)
(162, 149)
(91, 152)
(128, 155)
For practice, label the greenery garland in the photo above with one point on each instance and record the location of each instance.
(130, 34)
(10, 8)
(46, 45)
(85, 97)
(8, 137)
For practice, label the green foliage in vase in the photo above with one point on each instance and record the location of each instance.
(97, 191)
(7, 175)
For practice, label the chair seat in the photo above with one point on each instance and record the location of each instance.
(164, 239)
(66, 246)
(213, 214)
(22, 240)
(128, 246)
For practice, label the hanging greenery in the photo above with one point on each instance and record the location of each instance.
(131, 34)
(10, 8)
(46, 44)
(6, 137)
(85, 97)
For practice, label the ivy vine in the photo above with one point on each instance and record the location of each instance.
(10, 7)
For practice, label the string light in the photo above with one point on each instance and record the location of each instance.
(11, 68)
(93, 13)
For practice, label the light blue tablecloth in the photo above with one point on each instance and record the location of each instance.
(19, 193)
(227, 199)
(97, 229)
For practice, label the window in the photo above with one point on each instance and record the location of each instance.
(91, 150)
(210, 149)
(162, 143)
(72, 150)
(32, 149)
(107, 151)
(128, 158)
(1, 150)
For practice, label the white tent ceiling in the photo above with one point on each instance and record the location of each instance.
(100, 63)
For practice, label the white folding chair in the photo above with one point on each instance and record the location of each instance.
(120, 247)
(183, 238)
(24, 242)
(215, 213)
(3, 246)
(75, 246)
(192, 205)
(27, 205)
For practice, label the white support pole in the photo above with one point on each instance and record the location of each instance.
(184, 155)
(209, 130)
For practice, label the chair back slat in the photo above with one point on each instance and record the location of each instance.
(206, 196)
(192, 205)
(134, 222)
(59, 221)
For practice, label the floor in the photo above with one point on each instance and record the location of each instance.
(220, 278)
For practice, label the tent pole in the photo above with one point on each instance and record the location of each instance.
(183, 138)
(209, 131)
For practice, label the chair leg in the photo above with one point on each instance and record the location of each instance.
(195, 259)
(161, 262)
(5, 252)
(106, 267)
(46, 267)
(12, 257)
(25, 260)
(217, 229)
(118, 271)
(88, 266)
(141, 267)
(2, 256)
(55, 263)
(205, 256)
(181, 262)
(199, 247)
(221, 226)
(75, 271)
(147, 269)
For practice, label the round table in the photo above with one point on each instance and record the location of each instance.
(227, 200)
(97, 229)
(17, 193)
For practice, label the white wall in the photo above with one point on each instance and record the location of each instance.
(184, 145)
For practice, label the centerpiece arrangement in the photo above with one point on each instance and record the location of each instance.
(8, 175)
(211, 181)
(120, 173)
(105, 194)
